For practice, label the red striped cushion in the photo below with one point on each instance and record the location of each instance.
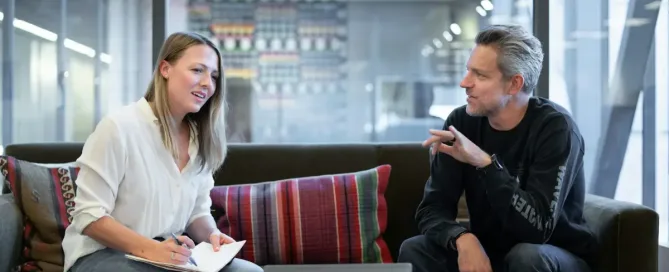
(311, 220)
(45, 196)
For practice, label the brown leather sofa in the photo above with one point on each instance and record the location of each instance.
(628, 233)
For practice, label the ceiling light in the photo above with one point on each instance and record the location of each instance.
(447, 35)
(455, 28)
(487, 5)
(50, 36)
(437, 43)
(481, 11)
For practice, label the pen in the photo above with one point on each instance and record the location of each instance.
(179, 243)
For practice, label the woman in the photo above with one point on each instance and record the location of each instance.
(146, 170)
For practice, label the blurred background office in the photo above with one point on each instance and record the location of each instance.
(325, 71)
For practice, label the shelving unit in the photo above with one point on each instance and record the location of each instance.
(292, 51)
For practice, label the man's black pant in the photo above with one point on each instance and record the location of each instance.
(425, 256)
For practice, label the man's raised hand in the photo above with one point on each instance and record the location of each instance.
(455, 144)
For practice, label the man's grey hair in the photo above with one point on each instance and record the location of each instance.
(519, 52)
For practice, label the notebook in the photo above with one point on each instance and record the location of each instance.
(207, 260)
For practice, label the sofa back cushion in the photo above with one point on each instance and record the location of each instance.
(285, 161)
(337, 218)
(410, 162)
(251, 163)
(44, 194)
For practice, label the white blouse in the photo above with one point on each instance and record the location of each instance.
(128, 174)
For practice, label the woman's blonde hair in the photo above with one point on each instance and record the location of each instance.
(208, 123)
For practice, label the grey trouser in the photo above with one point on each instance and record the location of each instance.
(109, 260)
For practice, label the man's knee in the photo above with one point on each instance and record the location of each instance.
(412, 248)
(425, 255)
(525, 257)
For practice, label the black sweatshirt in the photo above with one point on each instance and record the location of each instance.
(537, 197)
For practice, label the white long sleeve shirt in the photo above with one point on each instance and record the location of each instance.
(128, 174)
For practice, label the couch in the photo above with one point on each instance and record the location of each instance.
(628, 233)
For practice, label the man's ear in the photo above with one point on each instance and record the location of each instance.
(516, 83)
(165, 68)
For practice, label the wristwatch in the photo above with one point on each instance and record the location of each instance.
(495, 164)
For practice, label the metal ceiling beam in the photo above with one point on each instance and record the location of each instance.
(621, 100)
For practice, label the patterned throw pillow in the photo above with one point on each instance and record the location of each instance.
(45, 195)
(310, 220)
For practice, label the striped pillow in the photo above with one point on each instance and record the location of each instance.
(311, 220)
(45, 195)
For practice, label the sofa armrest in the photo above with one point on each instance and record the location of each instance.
(11, 229)
(627, 235)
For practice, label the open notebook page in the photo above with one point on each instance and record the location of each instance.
(207, 260)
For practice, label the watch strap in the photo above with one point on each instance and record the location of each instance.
(495, 164)
(451, 243)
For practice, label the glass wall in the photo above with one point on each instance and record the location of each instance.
(349, 71)
(608, 65)
(326, 71)
(342, 71)
(298, 71)
(59, 92)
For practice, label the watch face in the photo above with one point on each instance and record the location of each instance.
(496, 162)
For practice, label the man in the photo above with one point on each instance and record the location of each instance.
(519, 160)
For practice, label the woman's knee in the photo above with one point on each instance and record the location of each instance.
(110, 260)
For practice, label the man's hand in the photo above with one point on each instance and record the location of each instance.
(462, 149)
(471, 256)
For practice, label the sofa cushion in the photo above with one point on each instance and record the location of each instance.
(338, 218)
(45, 196)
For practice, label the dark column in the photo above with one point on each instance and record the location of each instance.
(239, 95)
(97, 104)
(61, 58)
(648, 134)
(621, 99)
(7, 72)
(159, 25)
(540, 21)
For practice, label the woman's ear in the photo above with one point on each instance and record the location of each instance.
(165, 69)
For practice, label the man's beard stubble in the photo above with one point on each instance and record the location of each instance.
(484, 111)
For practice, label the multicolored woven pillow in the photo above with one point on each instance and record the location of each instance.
(45, 195)
(336, 218)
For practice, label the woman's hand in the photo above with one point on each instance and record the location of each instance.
(169, 251)
(218, 238)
